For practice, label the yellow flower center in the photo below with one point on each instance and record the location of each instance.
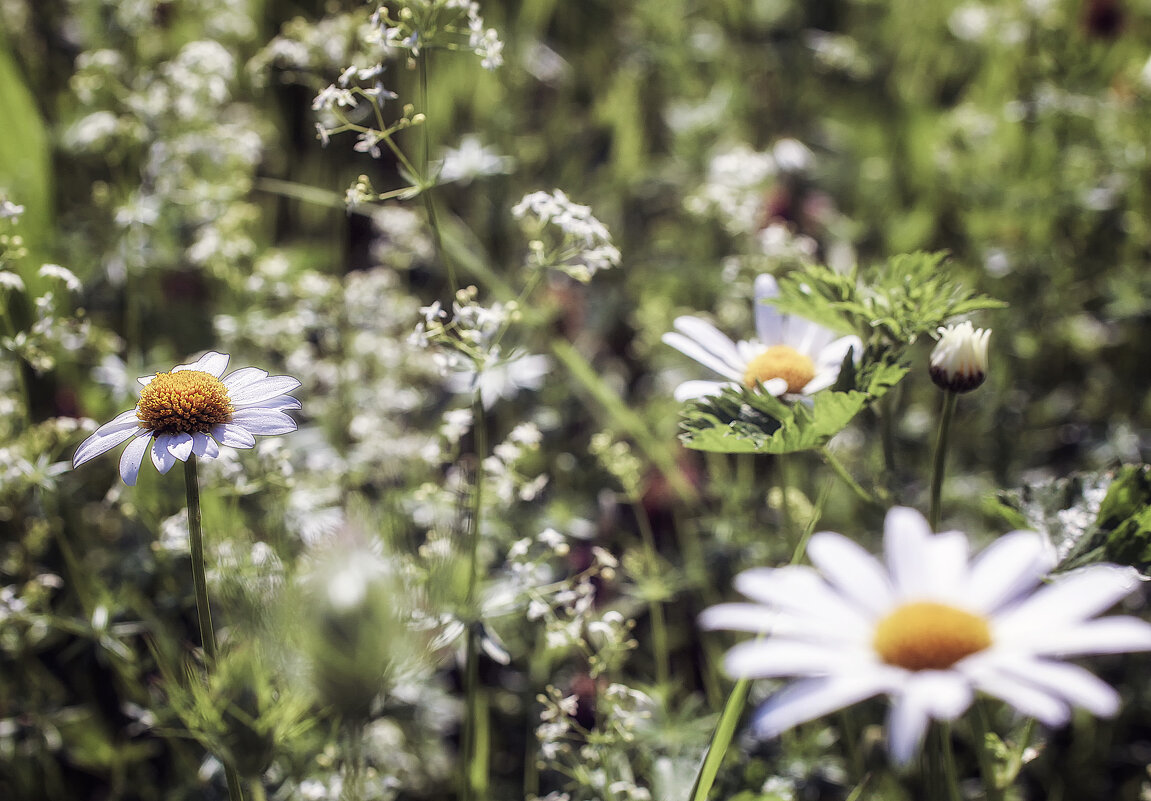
(780, 361)
(930, 636)
(184, 402)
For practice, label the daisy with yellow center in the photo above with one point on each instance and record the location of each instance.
(929, 629)
(789, 356)
(191, 410)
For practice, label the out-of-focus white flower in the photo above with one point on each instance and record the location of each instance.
(471, 160)
(63, 274)
(790, 356)
(184, 412)
(929, 628)
(959, 360)
(8, 209)
(501, 378)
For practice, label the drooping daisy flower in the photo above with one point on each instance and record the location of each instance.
(790, 356)
(959, 360)
(928, 629)
(192, 410)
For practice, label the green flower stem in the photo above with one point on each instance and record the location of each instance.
(203, 610)
(473, 777)
(981, 729)
(196, 544)
(837, 467)
(949, 399)
(426, 185)
(950, 776)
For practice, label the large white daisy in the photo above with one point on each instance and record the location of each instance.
(192, 410)
(928, 629)
(789, 356)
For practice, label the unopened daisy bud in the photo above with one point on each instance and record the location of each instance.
(959, 361)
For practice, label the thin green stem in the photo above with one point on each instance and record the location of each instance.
(473, 774)
(196, 544)
(950, 775)
(429, 200)
(203, 610)
(785, 495)
(940, 463)
(983, 750)
(837, 467)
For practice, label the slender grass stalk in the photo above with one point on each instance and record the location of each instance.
(981, 730)
(837, 467)
(203, 610)
(473, 774)
(940, 463)
(950, 775)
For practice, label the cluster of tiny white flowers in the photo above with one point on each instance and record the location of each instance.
(471, 160)
(733, 192)
(583, 245)
(503, 465)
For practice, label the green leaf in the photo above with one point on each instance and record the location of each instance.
(740, 421)
(1090, 518)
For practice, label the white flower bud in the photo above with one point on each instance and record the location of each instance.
(959, 361)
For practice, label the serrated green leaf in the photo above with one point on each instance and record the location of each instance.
(754, 422)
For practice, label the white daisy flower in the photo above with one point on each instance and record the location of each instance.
(928, 629)
(959, 360)
(192, 410)
(790, 356)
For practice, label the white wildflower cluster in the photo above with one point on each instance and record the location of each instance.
(505, 467)
(596, 759)
(468, 352)
(738, 178)
(447, 24)
(177, 123)
(565, 236)
(9, 210)
(57, 328)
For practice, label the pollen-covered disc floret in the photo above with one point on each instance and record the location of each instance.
(191, 410)
(929, 628)
(959, 360)
(789, 356)
(189, 401)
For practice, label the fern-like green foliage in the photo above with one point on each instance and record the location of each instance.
(894, 304)
(1098, 517)
(755, 422)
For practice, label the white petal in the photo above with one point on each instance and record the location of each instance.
(1110, 635)
(162, 456)
(906, 724)
(211, 362)
(768, 320)
(833, 354)
(690, 390)
(775, 386)
(822, 381)
(106, 437)
(1070, 598)
(133, 456)
(808, 699)
(853, 571)
(282, 403)
(180, 446)
(1007, 568)
(906, 536)
(800, 592)
(726, 366)
(1025, 697)
(925, 695)
(263, 421)
(243, 377)
(755, 618)
(761, 659)
(263, 390)
(1069, 682)
(204, 446)
(807, 337)
(233, 436)
(945, 572)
